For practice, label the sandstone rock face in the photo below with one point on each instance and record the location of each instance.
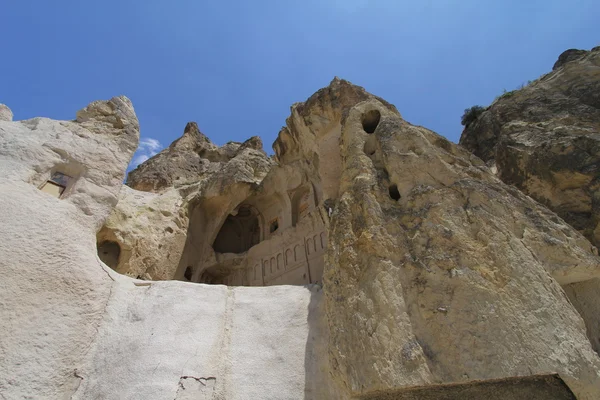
(73, 328)
(54, 291)
(218, 187)
(584, 296)
(149, 232)
(438, 272)
(545, 139)
(86, 157)
(435, 277)
(5, 113)
(187, 161)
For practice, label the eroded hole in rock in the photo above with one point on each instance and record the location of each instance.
(239, 232)
(394, 192)
(370, 120)
(109, 252)
(274, 225)
(188, 273)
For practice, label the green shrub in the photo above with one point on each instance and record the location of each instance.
(471, 114)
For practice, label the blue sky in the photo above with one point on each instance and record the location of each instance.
(235, 67)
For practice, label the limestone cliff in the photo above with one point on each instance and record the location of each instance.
(545, 139)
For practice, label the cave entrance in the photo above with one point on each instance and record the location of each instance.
(240, 231)
(109, 253)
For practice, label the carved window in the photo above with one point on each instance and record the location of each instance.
(57, 184)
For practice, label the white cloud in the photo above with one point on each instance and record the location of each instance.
(152, 145)
(148, 147)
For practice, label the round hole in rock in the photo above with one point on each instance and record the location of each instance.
(109, 253)
(394, 193)
(370, 120)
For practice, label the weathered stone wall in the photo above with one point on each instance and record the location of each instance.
(438, 272)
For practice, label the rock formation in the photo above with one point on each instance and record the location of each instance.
(394, 264)
(5, 113)
(438, 272)
(545, 139)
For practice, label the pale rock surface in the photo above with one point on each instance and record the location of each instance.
(436, 271)
(248, 343)
(151, 231)
(94, 150)
(53, 290)
(5, 113)
(74, 329)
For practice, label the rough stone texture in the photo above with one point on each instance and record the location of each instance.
(151, 231)
(568, 56)
(548, 387)
(180, 231)
(53, 289)
(94, 150)
(457, 280)
(187, 161)
(73, 328)
(313, 129)
(585, 297)
(5, 113)
(436, 271)
(545, 140)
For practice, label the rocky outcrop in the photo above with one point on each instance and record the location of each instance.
(187, 161)
(54, 290)
(205, 184)
(568, 56)
(438, 272)
(434, 277)
(148, 231)
(90, 152)
(313, 130)
(5, 113)
(73, 328)
(150, 226)
(545, 139)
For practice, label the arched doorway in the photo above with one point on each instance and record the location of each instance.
(240, 231)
